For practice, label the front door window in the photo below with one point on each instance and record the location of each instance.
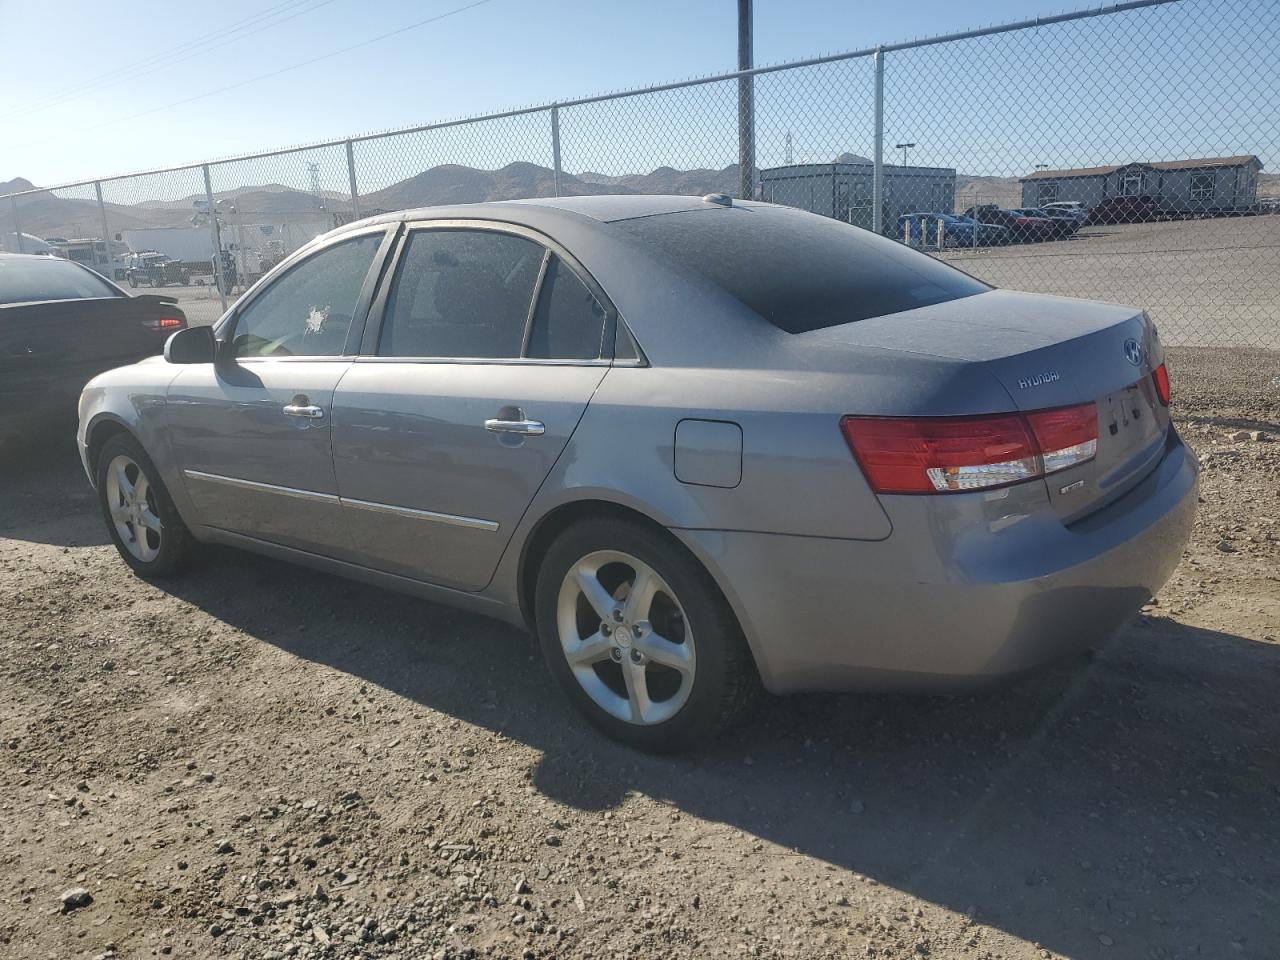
(308, 311)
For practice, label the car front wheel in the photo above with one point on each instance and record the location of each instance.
(639, 637)
(143, 522)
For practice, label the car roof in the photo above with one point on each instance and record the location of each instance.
(605, 208)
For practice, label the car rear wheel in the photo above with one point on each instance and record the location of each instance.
(141, 518)
(640, 638)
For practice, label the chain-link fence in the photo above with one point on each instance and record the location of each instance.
(1120, 153)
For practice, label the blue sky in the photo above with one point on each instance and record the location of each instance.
(89, 91)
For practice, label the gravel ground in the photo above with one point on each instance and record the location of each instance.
(259, 761)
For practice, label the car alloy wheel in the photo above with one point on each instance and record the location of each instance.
(626, 638)
(134, 513)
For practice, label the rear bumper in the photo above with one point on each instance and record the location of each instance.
(968, 588)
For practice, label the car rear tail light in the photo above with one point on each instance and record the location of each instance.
(954, 454)
(1066, 436)
(1160, 375)
(164, 323)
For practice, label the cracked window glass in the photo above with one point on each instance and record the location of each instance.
(307, 312)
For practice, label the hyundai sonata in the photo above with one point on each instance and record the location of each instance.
(698, 446)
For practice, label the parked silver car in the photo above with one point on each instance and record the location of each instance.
(696, 445)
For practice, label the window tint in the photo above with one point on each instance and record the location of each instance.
(798, 271)
(569, 321)
(461, 293)
(308, 311)
(24, 279)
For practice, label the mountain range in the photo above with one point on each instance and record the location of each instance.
(43, 214)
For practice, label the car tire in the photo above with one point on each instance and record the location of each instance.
(140, 515)
(664, 673)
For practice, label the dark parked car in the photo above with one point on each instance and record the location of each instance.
(61, 324)
(1125, 210)
(1022, 229)
(155, 270)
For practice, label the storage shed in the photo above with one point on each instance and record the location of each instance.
(1205, 185)
(842, 190)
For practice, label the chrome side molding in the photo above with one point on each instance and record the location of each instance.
(260, 487)
(473, 523)
(452, 519)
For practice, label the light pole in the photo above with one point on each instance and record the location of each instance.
(904, 147)
(1042, 166)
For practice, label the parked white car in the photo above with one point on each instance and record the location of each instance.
(1073, 207)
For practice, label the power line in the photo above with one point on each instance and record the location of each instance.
(276, 73)
(239, 30)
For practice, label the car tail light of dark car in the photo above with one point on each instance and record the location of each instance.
(955, 454)
(1160, 376)
(167, 324)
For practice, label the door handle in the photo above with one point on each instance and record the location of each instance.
(308, 410)
(523, 428)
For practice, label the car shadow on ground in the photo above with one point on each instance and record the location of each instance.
(44, 494)
(1128, 799)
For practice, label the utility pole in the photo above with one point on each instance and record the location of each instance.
(746, 106)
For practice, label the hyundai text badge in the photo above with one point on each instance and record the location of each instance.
(1038, 379)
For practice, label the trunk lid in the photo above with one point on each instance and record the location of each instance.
(1052, 352)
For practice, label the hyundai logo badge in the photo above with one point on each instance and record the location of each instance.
(1133, 352)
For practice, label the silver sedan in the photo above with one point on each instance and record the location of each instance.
(699, 447)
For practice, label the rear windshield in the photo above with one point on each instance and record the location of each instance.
(23, 279)
(799, 271)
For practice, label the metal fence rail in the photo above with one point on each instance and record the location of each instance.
(1118, 153)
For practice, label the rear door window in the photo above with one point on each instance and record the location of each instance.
(799, 271)
(568, 323)
(461, 294)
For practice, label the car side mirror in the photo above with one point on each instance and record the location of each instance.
(192, 345)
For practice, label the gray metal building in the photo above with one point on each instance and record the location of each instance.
(1203, 185)
(842, 190)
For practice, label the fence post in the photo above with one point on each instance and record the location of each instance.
(17, 222)
(555, 148)
(746, 105)
(217, 238)
(106, 229)
(877, 170)
(351, 177)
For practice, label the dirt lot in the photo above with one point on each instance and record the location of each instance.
(1205, 282)
(259, 761)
